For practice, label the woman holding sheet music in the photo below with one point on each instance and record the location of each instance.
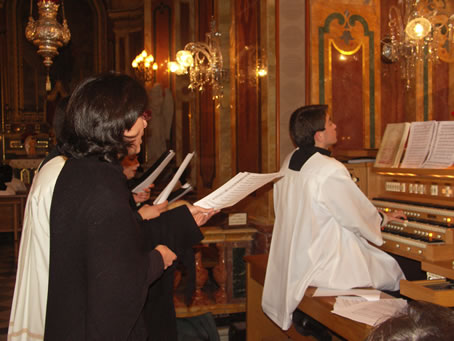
(102, 260)
(130, 165)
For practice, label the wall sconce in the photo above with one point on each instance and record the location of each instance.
(144, 66)
(262, 69)
(203, 62)
(424, 33)
(47, 33)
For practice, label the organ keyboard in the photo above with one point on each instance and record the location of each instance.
(427, 235)
(426, 196)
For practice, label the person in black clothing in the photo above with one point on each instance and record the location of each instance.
(102, 260)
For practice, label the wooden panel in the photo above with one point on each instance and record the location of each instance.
(318, 308)
(259, 326)
(347, 110)
(393, 86)
(186, 137)
(247, 52)
(162, 39)
(184, 34)
(440, 92)
(11, 216)
(206, 107)
(349, 27)
(421, 290)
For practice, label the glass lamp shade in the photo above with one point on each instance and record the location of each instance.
(185, 58)
(418, 28)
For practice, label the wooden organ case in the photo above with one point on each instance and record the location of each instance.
(426, 196)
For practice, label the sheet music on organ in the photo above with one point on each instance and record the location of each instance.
(171, 185)
(420, 141)
(237, 188)
(392, 145)
(442, 151)
(154, 171)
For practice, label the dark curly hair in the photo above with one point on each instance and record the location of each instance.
(419, 321)
(99, 111)
(305, 122)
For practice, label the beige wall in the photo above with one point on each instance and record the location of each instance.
(292, 66)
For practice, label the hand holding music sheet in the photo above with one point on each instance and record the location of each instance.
(155, 169)
(168, 189)
(236, 189)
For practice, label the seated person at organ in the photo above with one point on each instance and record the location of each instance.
(323, 224)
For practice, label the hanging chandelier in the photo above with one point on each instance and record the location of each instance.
(144, 66)
(47, 33)
(203, 62)
(424, 33)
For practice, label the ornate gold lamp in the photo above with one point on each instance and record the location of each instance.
(203, 62)
(423, 31)
(144, 66)
(47, 33)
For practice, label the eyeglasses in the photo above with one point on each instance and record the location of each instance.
(146, 115)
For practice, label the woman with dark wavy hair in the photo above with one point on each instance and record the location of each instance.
(418, 321)
(101, 263)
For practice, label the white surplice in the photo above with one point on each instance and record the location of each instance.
(28, 311)
(323, 222)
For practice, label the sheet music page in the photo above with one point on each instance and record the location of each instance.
(152, 177)
(234, 190)
(170, 186)
(419, 142)
(392, 145)
(368, 294)
(442, 153)
(370, 312)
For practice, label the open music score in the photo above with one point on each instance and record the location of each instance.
(428, 144)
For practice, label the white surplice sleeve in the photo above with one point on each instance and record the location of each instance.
(353, 210)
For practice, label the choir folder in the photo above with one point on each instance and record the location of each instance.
(153, 172)
(171, 185)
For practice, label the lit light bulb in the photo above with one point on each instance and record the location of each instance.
(418, 30)
(262, 72)
(185, 58)
(173, 66)
(155, 66)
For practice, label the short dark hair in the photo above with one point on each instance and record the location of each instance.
(305, 122)
(99, 111)
(419, 321)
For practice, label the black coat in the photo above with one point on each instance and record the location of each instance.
(100, 267)
(176, 229)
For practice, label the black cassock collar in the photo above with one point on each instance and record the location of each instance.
(302, 154)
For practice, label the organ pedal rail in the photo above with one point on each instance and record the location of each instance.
(427, 198)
